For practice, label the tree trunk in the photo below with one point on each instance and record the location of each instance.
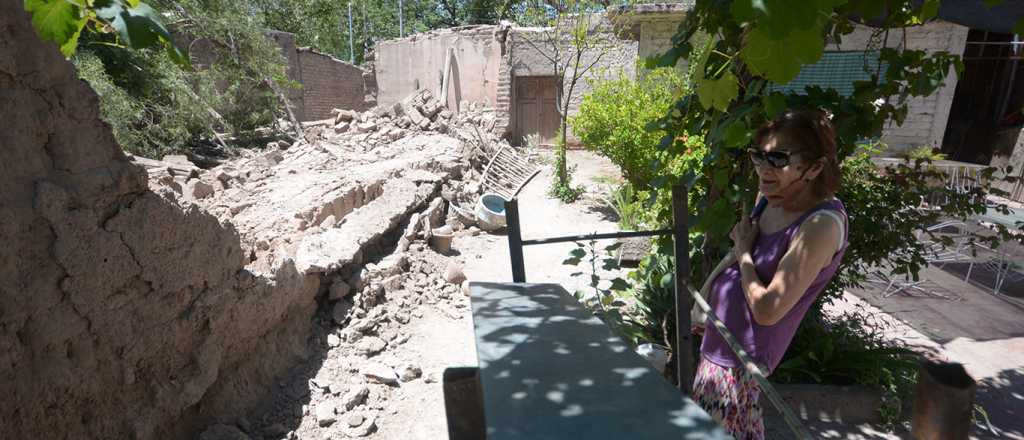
(563, 169)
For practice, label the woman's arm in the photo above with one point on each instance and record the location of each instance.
(813, 247)
(697, 315)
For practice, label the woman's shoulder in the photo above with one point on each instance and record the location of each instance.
(826, 221)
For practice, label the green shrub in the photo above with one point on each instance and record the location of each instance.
(851, 349)
(117, 108)
(652, 312)
(563, 188)
(623, 199)
(613, 118)
(923, 152)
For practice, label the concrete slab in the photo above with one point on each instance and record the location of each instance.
(549, 369)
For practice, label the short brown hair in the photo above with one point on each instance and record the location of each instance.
(815, 139)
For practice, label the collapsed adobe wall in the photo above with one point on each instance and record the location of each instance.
(123, 313)
(139, 313)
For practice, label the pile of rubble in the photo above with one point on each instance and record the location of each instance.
(358, 187)
(417, 113)
(300, 200)
(349, 389)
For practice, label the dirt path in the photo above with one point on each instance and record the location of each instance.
(440, 341)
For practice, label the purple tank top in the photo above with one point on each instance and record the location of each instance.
(765, 344)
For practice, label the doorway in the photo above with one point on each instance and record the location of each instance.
(536, 108)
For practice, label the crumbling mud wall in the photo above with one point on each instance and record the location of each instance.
(123, 312)
(417, 62)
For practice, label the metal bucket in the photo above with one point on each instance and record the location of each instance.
(490, 212)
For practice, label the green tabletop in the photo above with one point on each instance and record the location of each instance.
(549, 369)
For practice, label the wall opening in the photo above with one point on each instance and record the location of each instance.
(988, 107)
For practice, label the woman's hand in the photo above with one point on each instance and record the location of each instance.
(697, 329)
(743, 236)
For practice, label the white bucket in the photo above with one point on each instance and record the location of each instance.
(656, 354)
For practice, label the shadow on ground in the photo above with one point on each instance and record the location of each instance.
(1002, 398)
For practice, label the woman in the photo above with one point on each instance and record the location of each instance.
(781, 261)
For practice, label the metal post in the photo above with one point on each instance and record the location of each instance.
(515, 241)
(351, 46)
(401, 22)
(681, 249)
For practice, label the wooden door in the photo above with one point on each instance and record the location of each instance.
(536, 107)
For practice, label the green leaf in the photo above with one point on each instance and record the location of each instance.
(929, 10)
(780, 59)
(993, 3)
(717, 93)
(737, 134)
(667, 281)
(619, 284)
(58, 21)
(744, 11)
(139, 26)
(774, 104)
(1019, 27)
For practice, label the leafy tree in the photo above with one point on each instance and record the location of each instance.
(158, 104)
(465, 12)
(323, 24)
(573, 45)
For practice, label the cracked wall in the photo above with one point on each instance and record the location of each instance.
(123, 312)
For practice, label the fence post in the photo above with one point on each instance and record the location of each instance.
(681, 250)
(515, 241)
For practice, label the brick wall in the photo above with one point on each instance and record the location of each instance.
(926, 117)
(286, 41)
(329, 83)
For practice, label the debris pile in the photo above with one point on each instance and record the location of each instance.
(358, 187)
(294, 200)
(348, 391)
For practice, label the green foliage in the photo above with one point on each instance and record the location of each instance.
(759, 42)
(640, 309)
(136, 24)
(923, 153)
(627, 207)
(324, 24)
(651, 316)
(886, 224)
(851, 349)
(562, 187)
(58, 21)
(605, 301)
(612, 120)
(117, 107)
(157, 107)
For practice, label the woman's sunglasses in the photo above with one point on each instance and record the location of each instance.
(777, 159)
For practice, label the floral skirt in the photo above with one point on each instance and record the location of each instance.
(730, 396)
